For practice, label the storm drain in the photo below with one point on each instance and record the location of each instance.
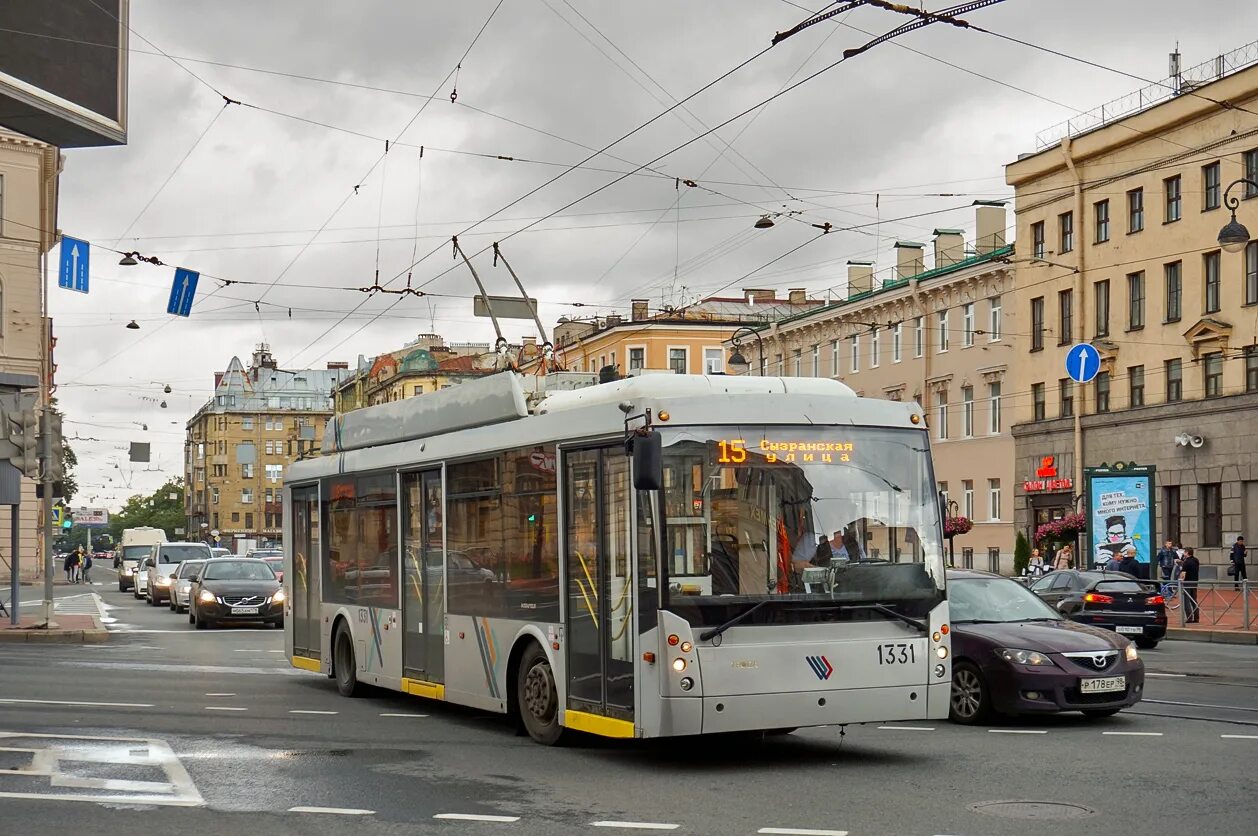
(1032, 810)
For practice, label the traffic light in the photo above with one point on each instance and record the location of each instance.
(54, 448)
(22, 434)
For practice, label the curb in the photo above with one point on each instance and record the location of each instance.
(1212, 636)
(34, 636)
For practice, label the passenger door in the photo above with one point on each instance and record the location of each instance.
(301, 575)
(423, 578)
(600, 567)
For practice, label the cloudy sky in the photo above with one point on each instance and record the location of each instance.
(263, 193)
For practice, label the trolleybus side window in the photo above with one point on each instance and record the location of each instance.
(361, 566)
(474, 537)
(530, 528)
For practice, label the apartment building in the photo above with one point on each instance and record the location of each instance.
(1121, 223)
(259, 420)
(427, 364)
(935, 334)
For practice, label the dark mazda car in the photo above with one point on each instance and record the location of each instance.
(235, 589)
(1013, 654)
(1109, 600)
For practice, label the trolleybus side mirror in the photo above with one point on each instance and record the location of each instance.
(648, 461)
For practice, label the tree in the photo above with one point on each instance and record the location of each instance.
(69, 461)
(157, 510)
(1021, 554)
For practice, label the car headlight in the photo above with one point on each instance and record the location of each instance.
(163, 581)
(278, 596)
(1132, 654)
(128, 571)
(1023, 657)
(206, 596)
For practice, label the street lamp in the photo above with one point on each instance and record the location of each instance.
(1234, 236)
(737, 361)
(950, 511)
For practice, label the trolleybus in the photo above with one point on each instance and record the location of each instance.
(655, 556)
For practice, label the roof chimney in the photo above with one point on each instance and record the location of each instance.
(337, 364)
(991, 226)
(640, 309)
(528, 339)
(860, 277)
(756, 296)
(613, 320)
(797, 296)
(949, 247)
(909, 259)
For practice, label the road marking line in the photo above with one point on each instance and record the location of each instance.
(403, 715)
(1239, 736)
(636, 825)
(308, 711)
(1134, 733)
(1016, 731)
(340, 811)
(474, 817)
(1201, 705)
(220, 694)
(903, 728)
(224, 708)
(797, 831)
(1176, 675)
(76, 702)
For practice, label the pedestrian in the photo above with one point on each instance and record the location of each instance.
(1167, 557)
(1129, 564)
(1189, 573)
(69, 566)
(1036, 568)
(824, 553)
(1237, 569)
(87, 567)
(1065, 558)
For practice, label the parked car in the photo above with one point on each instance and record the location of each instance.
(264, 553)
(1014, 654)
(277, 565)
(181, 589)
(217, 551)
(164, 561)
(235, 589)
(1110, 600)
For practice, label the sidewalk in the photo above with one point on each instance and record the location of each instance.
(70, 629)
(1223, 614)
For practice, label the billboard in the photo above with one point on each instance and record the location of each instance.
(1121, 513)
(63, 70)
(94, 517)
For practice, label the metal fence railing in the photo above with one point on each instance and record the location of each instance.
(1223, 605)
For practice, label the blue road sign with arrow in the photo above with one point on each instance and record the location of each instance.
(182, 292)
(72, 274)
(1083, 362)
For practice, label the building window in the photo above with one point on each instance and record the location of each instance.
(1101, 209)
(897, 338)
(993, 559)
(967, 498)
(943, 331)
(214, 496)
(1135, 380)
(1065, 316)
(1171, 513)
(1066, 397)
(919, 336)
(246, 471)
(1174, 380)
(993, 408)
(855, 350)
(799, 362)
(274, 472)
(249, 521)
(1102, 308)
(1037, 240)
(1135, 301)
(1174, 198)
(1135, 210)
(1102, 391)
(1037, 402)
(1211, 501)
(834, 358)
(993, 499)
(235, 516)
(993, 320)
(816, 361)
(1037, 323)
(677, 360)
(1066, 224)
(1251, 273)
(967, 558)
(967, 413)
(1251, 173)
(267, 448)
(764, 370)
(941, 414)
(875, 347)
(1210, 186)
(637, 359)
(1210, 262)
(1251, 368)
(246, 496)
(967, 323)
(246, 423)
(1212, 368)
(1174, 273)
(219, 471)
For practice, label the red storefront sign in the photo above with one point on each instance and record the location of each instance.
(1047, 479)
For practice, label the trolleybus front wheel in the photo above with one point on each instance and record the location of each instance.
(346, 666)
(538, 698)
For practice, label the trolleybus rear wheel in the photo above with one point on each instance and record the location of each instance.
(538, 698)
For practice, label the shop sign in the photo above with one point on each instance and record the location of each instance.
(1046, 478)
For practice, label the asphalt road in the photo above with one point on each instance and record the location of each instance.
(166, 727)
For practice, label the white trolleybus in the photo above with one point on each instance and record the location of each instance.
(657, 556)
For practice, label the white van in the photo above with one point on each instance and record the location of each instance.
(136, 545)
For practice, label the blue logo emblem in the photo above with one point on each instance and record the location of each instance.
(820, 666)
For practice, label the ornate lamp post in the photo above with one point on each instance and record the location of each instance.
(737, 361)
(1234, 236)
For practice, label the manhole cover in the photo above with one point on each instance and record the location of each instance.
(1034, 810)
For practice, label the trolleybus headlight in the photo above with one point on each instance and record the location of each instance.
(936, 636)
(941, 652)
(687, 683)
(686, 647)
(940, 670)
(679, 665)
(206, 596)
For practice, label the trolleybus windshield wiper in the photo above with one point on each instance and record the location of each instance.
(890, 613)
(716, 631)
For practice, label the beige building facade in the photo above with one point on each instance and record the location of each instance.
(1117, 246)
(28, 223)
(937, 336)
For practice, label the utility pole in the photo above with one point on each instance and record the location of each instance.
(46, 475)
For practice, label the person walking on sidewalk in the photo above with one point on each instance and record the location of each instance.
(69, 566)
(1237, 569)
(87, 568)
(1167, 557)
(1065, 558)
(1189, 573)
